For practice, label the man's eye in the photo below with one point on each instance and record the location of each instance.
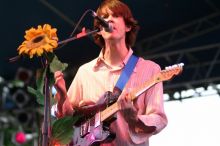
(105, 16)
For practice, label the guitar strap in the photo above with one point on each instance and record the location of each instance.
(125, 75)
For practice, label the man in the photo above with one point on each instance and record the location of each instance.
(136, 120)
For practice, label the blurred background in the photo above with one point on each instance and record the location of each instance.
(171, 32)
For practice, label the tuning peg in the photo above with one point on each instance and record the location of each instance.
(166, 68)
(174, 66)
(181, 64)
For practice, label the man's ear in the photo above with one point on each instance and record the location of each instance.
(99, 32)
(128, 28)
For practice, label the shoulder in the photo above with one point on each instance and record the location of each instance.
(88, 66)
(148, 64)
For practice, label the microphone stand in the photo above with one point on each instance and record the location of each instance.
(79, 35)
(46, 121)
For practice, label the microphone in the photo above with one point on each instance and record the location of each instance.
(107, 27)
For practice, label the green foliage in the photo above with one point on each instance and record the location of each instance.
(38, 94)
(62, 129)
(54, 64)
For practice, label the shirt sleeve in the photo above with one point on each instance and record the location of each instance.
(154, 113)
(75, 90)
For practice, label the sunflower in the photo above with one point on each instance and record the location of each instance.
(37, 41)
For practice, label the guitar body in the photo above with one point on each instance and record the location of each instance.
(90, 130)
(94, 137)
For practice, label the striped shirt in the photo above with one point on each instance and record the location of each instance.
(96, 77)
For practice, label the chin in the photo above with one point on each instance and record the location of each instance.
(109, 37)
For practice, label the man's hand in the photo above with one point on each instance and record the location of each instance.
(61, 94)
(127, 108)
(130, 115)
(60, 86)
(85, 103)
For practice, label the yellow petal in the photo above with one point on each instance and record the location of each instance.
(34, 47)
(39, 27)
(21, 46)
(46, 27)
(29, 34)
(26, 51)
(53, 43)
(32, 52)
(40, 51)
(48, 48)
(21, 50)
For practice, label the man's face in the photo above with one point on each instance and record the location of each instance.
(119, 28)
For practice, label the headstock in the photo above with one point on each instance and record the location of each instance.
(171, 71)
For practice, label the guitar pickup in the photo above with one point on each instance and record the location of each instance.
(85, 128)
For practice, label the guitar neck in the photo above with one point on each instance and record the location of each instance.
(164, 75)
(108, 112)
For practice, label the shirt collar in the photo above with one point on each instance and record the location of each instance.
(100, 59)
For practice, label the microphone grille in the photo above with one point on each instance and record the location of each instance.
(109, 28)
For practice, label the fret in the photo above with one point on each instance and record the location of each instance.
(138, 91)
(109, 111)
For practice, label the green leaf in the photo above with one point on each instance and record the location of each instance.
(38, 94)
(57, 65)
(62, 129)
(17, 83)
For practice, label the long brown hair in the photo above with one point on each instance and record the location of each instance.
(119, 9)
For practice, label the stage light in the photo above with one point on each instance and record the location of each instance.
(166, 97)
(24, 117)
(176, 95)
(20, 98)
(20, 137)
(24, 75)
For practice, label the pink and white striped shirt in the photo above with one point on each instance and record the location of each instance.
(96, 77)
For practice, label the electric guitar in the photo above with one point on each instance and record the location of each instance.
(95, 129)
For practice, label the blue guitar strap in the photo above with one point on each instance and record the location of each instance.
(126, 73)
